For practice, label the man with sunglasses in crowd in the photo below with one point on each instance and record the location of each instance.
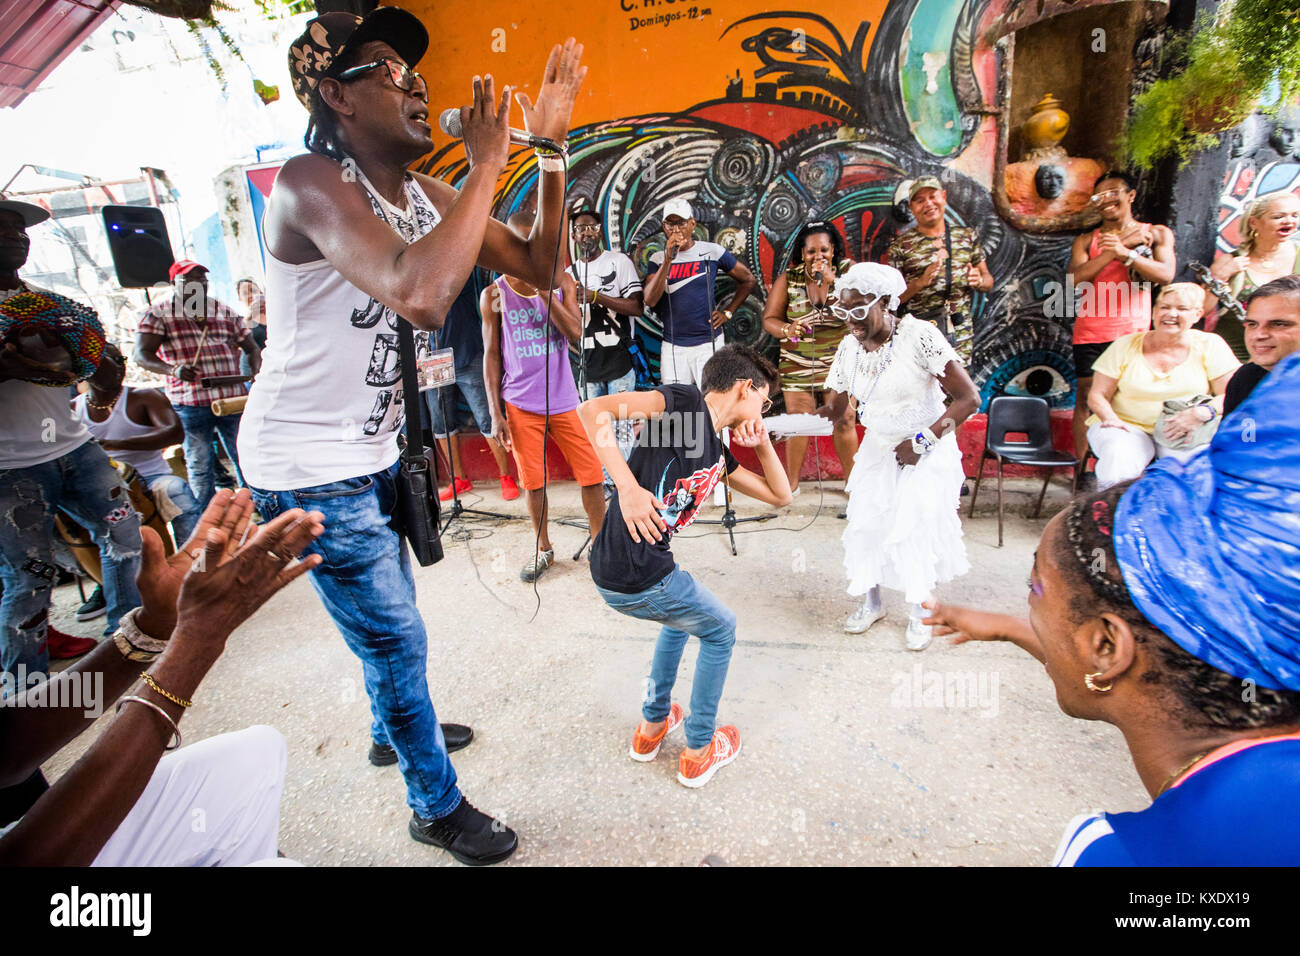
(609, 294)
(354, 240)
(1113, 268)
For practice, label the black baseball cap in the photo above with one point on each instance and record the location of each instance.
(330, 36)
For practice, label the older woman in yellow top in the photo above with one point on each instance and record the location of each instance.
(1138, 373)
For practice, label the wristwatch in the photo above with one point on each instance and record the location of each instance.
(727, 313)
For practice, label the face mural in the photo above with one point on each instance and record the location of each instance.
(767, 119)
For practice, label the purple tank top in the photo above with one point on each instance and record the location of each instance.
(525, 339)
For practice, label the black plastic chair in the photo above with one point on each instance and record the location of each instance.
(1011, 414)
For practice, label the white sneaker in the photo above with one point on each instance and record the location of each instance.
(918, 634)
(863, 618)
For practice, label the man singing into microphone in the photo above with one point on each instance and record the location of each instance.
(354, 240)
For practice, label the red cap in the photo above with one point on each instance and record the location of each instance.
(182, 266)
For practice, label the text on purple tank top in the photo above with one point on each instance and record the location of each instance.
(526, 338)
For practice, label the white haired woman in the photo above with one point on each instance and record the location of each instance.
(1139, 373)
(1268, 251)
(903, 530)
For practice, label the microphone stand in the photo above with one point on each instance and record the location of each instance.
(457, 510)
(728, 519)
(585, 312)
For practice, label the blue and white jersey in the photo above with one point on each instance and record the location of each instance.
(1237, 808)
(690, 298)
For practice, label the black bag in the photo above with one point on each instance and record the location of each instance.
(417, 492)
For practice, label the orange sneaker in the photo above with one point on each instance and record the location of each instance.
(723, 748)
(647, 748)
(509, 490)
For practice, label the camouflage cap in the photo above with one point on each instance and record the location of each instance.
(925, 182)
(331, 35)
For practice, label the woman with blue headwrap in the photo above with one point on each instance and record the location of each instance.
(1170, 607)
(903, 531)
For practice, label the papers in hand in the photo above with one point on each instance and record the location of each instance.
(802, 423)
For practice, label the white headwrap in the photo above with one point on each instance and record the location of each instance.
(874, 281)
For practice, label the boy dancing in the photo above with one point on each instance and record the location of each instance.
(676, 462)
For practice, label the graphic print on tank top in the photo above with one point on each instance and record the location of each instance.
(384, 371)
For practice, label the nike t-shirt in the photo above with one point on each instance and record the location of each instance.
(679, 458)
(690, 300)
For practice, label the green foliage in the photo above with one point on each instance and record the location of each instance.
(1217, 79)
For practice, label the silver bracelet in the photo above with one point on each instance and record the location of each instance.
(176, 742)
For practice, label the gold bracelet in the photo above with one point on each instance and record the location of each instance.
(153, 685)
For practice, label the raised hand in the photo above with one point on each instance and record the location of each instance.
(549, 116)
(485, 125)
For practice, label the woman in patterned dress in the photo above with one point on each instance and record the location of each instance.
(798, 315)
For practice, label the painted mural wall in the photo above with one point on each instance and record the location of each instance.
(765, 119)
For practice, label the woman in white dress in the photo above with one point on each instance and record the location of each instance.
(903, 529)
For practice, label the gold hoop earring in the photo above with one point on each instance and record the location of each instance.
(1089, 679)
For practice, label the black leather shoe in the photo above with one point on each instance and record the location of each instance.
(456, 737)
(474, 838)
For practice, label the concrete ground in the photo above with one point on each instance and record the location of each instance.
(851, 755)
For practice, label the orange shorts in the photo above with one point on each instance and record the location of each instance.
(526, 429)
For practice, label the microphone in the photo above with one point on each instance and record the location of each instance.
(450, 123)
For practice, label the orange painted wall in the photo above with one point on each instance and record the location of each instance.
(656, 68)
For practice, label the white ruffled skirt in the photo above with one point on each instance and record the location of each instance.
(903, 529)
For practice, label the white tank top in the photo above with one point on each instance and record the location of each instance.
(149, 464)
(327, 404)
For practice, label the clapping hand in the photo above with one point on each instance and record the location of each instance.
(549, 116)
(160, 577)
(222, 590)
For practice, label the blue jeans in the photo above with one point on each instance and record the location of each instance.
(366, 585)
(182, 497)
(201, 426)
(88, 488)
(624, 431)
(684, 607)
(469, 382)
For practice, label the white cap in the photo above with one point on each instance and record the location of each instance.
(678, 207)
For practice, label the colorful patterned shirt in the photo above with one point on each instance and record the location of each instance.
(181, 335)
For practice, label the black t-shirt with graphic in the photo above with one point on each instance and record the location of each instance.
(679, 458)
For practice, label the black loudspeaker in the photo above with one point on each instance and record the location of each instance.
(137, 239)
